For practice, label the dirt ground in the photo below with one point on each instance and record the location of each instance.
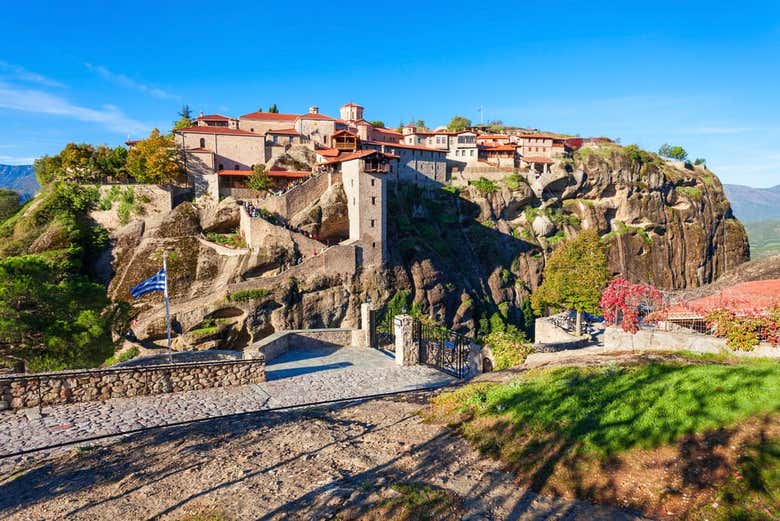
(342, 462)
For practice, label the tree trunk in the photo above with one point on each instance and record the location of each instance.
(578, 326)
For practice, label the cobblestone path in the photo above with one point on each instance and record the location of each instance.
(297, 377)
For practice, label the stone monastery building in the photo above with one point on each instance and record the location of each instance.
(220, 154)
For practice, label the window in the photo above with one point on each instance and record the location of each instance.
(373, 245)
(236, 167)
(221, 167)
(372, 182)
(202, 142)
(373, 200)
(353, 201)
(251, 130)
(472, 152)
(372, 223)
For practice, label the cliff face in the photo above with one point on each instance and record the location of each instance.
(464, 255)
(470, 256)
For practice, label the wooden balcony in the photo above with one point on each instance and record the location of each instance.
(376, 167)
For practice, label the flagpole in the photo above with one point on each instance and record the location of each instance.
(167, 308)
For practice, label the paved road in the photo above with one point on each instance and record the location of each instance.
(297, 377)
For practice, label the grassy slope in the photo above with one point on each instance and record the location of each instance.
(549, 422)
(764, 238)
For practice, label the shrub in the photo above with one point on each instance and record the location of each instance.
(626, 302)
(745, 332)
(510, 348)
(247, 295)
(124, 356)
(692, 192)
(484, 186)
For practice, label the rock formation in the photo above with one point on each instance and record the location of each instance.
(463, 256)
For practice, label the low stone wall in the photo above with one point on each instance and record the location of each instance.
(615, 339)
(546, 332)
(300, 197)
(19, 391)
(279, 343)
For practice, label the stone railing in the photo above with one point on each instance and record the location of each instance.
(18, 391)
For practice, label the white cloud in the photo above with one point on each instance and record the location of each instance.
(16, 160)
(22, 74)
(129, 83)
(36, 101)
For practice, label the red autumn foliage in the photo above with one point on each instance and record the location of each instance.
(627, 302)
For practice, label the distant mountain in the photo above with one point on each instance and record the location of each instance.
(764, 237)
(20, 178)
(754, 204)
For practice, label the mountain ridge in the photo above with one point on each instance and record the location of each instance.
(20, 178)
(753, 204)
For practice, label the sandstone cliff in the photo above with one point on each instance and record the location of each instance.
(463, 254)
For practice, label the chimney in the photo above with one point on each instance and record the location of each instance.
(201, 113)
(314, 110)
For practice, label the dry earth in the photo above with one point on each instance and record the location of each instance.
(337, 462)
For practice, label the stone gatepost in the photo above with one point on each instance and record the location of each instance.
(406, 350)
(475, 360)
(367, 325)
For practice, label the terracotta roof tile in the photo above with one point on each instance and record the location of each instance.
(213, 117)
(269, 116)
(218, 130)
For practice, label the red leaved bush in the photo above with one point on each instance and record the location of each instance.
(627, 302)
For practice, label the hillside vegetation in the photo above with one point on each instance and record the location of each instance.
(764, 238)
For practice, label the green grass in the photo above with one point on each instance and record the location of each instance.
(124, 356)
(753, 492)
(247, 295)
(485, 186)
(420, 502)
(764, 238)
(514, 180)
(692, 192)
(606, 411)
(206, 328)
(232, 240)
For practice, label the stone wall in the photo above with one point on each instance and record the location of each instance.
(300, 197)
(19, 391)
(615, 339)
(279, 343)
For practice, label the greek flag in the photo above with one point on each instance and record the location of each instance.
(154, 283)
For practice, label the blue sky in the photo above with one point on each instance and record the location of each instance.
(704, 75)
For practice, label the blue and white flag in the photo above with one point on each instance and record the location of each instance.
(154, 283)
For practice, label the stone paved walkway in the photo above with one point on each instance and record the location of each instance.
(297, 377)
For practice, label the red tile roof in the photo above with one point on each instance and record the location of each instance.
(387, 131)
(327, 152)
(359, 154)
(540, 135)
(350, 104)
(537, 159)
(217, 130)
(213, 117)
(269, 116)
(404, 145)
(132, 142)
(492, 136)
(500, 148)
(317, 116)
(344, 133)
(284, 131)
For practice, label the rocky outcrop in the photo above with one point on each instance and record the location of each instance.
(221, 218)
(465, 258)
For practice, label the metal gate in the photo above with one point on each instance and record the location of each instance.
(443, 349)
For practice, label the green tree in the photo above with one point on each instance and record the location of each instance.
(185, 112)
(47, 169)
(458, 123)
(259, 180)
(420, 125)
(52, 318)
(574, 277)
(154, 160)
(9, 203)
(111, 162)
(273, 109)
(77, 162)
(673, 152)
(378, 124)
(700, 161)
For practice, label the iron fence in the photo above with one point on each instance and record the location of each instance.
(443, 349)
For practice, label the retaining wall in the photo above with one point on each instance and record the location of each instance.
(615, 339)
(279, 343)
(19, 391)
(300, 197)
